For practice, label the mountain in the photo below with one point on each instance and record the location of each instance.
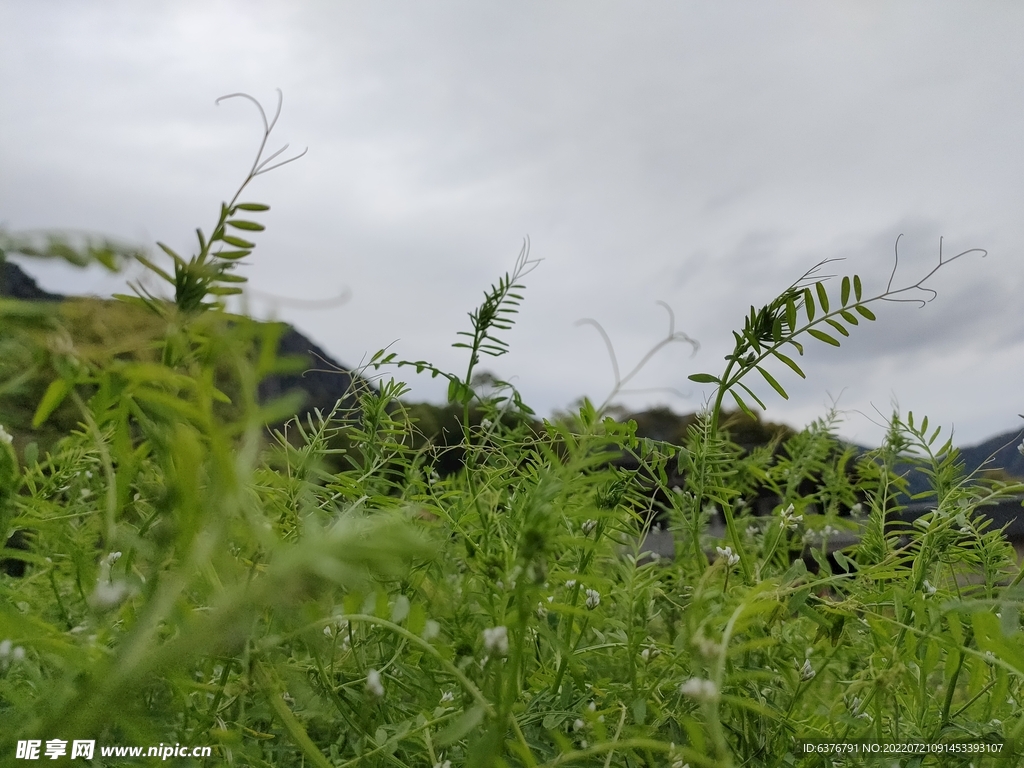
(324, 381)
(1003, 451)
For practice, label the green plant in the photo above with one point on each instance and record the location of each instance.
(319, 595)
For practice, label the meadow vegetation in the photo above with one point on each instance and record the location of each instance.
(319, 594)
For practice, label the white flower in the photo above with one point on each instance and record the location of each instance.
(588, 526)
(701, 690)
(542, 611)
(447, 697)
(593, 599)
(373, 683)
(327, 631)
(649, 653)
(857, 509)
(570, 583)
(807, 671)
(728, 555)
(1020, 448)
(708, 648)
(430, 630)
(5, 436)
(496, 641)
(789, 520)
(928, 588)
(445, 764)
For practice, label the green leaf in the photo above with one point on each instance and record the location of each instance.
(844, 562)
(462, 725)
(849, 317)
(955, 628)
(835, 324)
(237, 242)
(169, 252)
(751, 392)
(791, 313)
(822, 296)
(232, 255)
(777, 330)
(704, 378)
(250, 226)
(865, 312)
(822, 336)
(251, 207)
(771, 380)
(54, 396)
(639, 708)
(743, 406)
(988, 633)
(809, 304)
(154, 268)
(459, 392)
(844, 291)
(790, 362)
(856, 287)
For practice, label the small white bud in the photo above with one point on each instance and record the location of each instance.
(701, 690)
(496, 641)
(807, 671)
(431, 630)
(373, 684)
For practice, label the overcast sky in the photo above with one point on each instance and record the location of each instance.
(699, 154)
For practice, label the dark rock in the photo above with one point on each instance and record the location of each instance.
(323, 382)
(15, 284)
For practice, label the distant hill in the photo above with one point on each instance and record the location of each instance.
(15, 284)
(1003, 451)
(323, 383)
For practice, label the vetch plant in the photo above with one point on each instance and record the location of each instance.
(321, 594)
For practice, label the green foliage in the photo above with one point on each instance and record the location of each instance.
(321, 595)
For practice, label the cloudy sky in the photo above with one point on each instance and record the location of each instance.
(698, 154)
